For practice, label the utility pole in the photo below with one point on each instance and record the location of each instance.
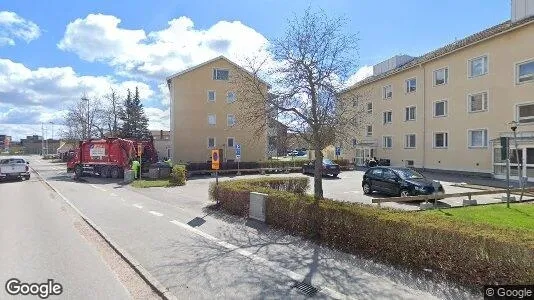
(84, 98)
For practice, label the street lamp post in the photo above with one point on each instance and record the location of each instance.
(519, 163)
(84, 98)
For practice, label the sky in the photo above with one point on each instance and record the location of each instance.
(52, 52)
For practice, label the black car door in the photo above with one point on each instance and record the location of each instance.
(390, 182)
(376, 179)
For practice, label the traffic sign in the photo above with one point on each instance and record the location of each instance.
(215, 159)
(338, 151)
(237, 146)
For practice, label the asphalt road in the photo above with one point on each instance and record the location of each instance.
(40, 240)
(198, 253)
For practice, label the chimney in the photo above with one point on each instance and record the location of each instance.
(522, 9)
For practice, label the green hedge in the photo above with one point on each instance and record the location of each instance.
(469, 253)
(178, 175)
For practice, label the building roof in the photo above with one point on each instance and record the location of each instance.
(208, 62)
(448, 49)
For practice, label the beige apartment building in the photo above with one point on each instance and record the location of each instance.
(206, 114)
(447, 109)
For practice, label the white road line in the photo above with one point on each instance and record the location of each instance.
(138, 206)
(155, 213)
(293, 275)
(99, 188)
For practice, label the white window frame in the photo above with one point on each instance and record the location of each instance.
(369, 111)
(414, 115)
(214, 96)
(486, 102)
(233, 142)
(446, 108)
(214, 142)
(390, 117)
(214, 74)
(367, 132)
(446, 77)
(406, 141)
(517, 113)
(228, 120)
(384, 144)
(408, 86)
(516, 71)
(446, 141)
(214, 118)
(228, 100)
(471, 60)
(469, 139)
(384, 96)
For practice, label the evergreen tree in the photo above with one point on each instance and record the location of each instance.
(135, 122)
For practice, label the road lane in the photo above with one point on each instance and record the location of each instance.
(225, 258)
(39, 240)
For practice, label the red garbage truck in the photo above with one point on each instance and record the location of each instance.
(109, 157)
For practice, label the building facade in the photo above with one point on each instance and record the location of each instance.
(162, 143)
(206, 114)
(5, 142)
(448, 108)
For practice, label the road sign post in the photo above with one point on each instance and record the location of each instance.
(338, 152)
(140, 153)
(238, 157)
(215, 164)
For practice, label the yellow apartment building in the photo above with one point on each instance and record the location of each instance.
(205, 115)
(447, 109)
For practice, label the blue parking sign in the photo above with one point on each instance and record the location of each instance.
(338, 150)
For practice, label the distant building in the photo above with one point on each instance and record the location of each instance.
(5, 142)
(162, 143)
(34, 144)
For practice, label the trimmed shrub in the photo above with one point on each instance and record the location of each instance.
(178, 175)
(472, 254)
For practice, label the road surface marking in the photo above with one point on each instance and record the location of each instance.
(98, 188)
(155, 213)
(138, 206)
(292, 275)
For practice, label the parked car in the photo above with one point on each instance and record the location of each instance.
(399, 182)
(329, 168)
(14, 168)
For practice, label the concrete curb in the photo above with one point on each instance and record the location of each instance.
(156, 286)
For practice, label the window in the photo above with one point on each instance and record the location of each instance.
(230, 120)
(478, 138)
(387, 117)
(387, 92)
(212, 119)
(230, 142)
(525, 72)
(354, 142)
(369, 130)
(369, 107)
(354, 103)
(220, 74)
(387, 142)
(211, 142)
(525, 113)
(409, 141)
(211, 96)
(440, 108)
(410, 113)
(377, 172)
(230, 97)
(441, 76)
(477, 102)
(411, 85)
(478, 66)
(441, 140)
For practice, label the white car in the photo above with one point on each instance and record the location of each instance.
(14, 168)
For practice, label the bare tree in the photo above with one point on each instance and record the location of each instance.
(112, 110)
(84, 119)
(306, 75)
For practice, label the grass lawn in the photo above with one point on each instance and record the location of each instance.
(146, 183)
(519, 216)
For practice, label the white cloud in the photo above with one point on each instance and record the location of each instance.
(161, 53)
(12, 27)
(158, 119)
(360, 75)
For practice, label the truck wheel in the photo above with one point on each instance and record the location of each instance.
(115, 172)
(78, 171)
(105, 172)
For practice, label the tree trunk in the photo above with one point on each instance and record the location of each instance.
(318, 175)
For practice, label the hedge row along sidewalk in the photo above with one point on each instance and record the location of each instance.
(469, 253)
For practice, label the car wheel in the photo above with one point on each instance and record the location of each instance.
(405, 193)
(105, 172)
(334, 175)
(367, 189)
(27, 177)
(115, 172)
(78, 170)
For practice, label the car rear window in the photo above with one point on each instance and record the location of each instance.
(376, 172)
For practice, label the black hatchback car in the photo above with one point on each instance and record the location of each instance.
(399, 182)
(329, 168)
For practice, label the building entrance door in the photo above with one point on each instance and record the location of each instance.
(363, 154)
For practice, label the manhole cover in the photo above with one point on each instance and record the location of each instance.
(306, 288)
